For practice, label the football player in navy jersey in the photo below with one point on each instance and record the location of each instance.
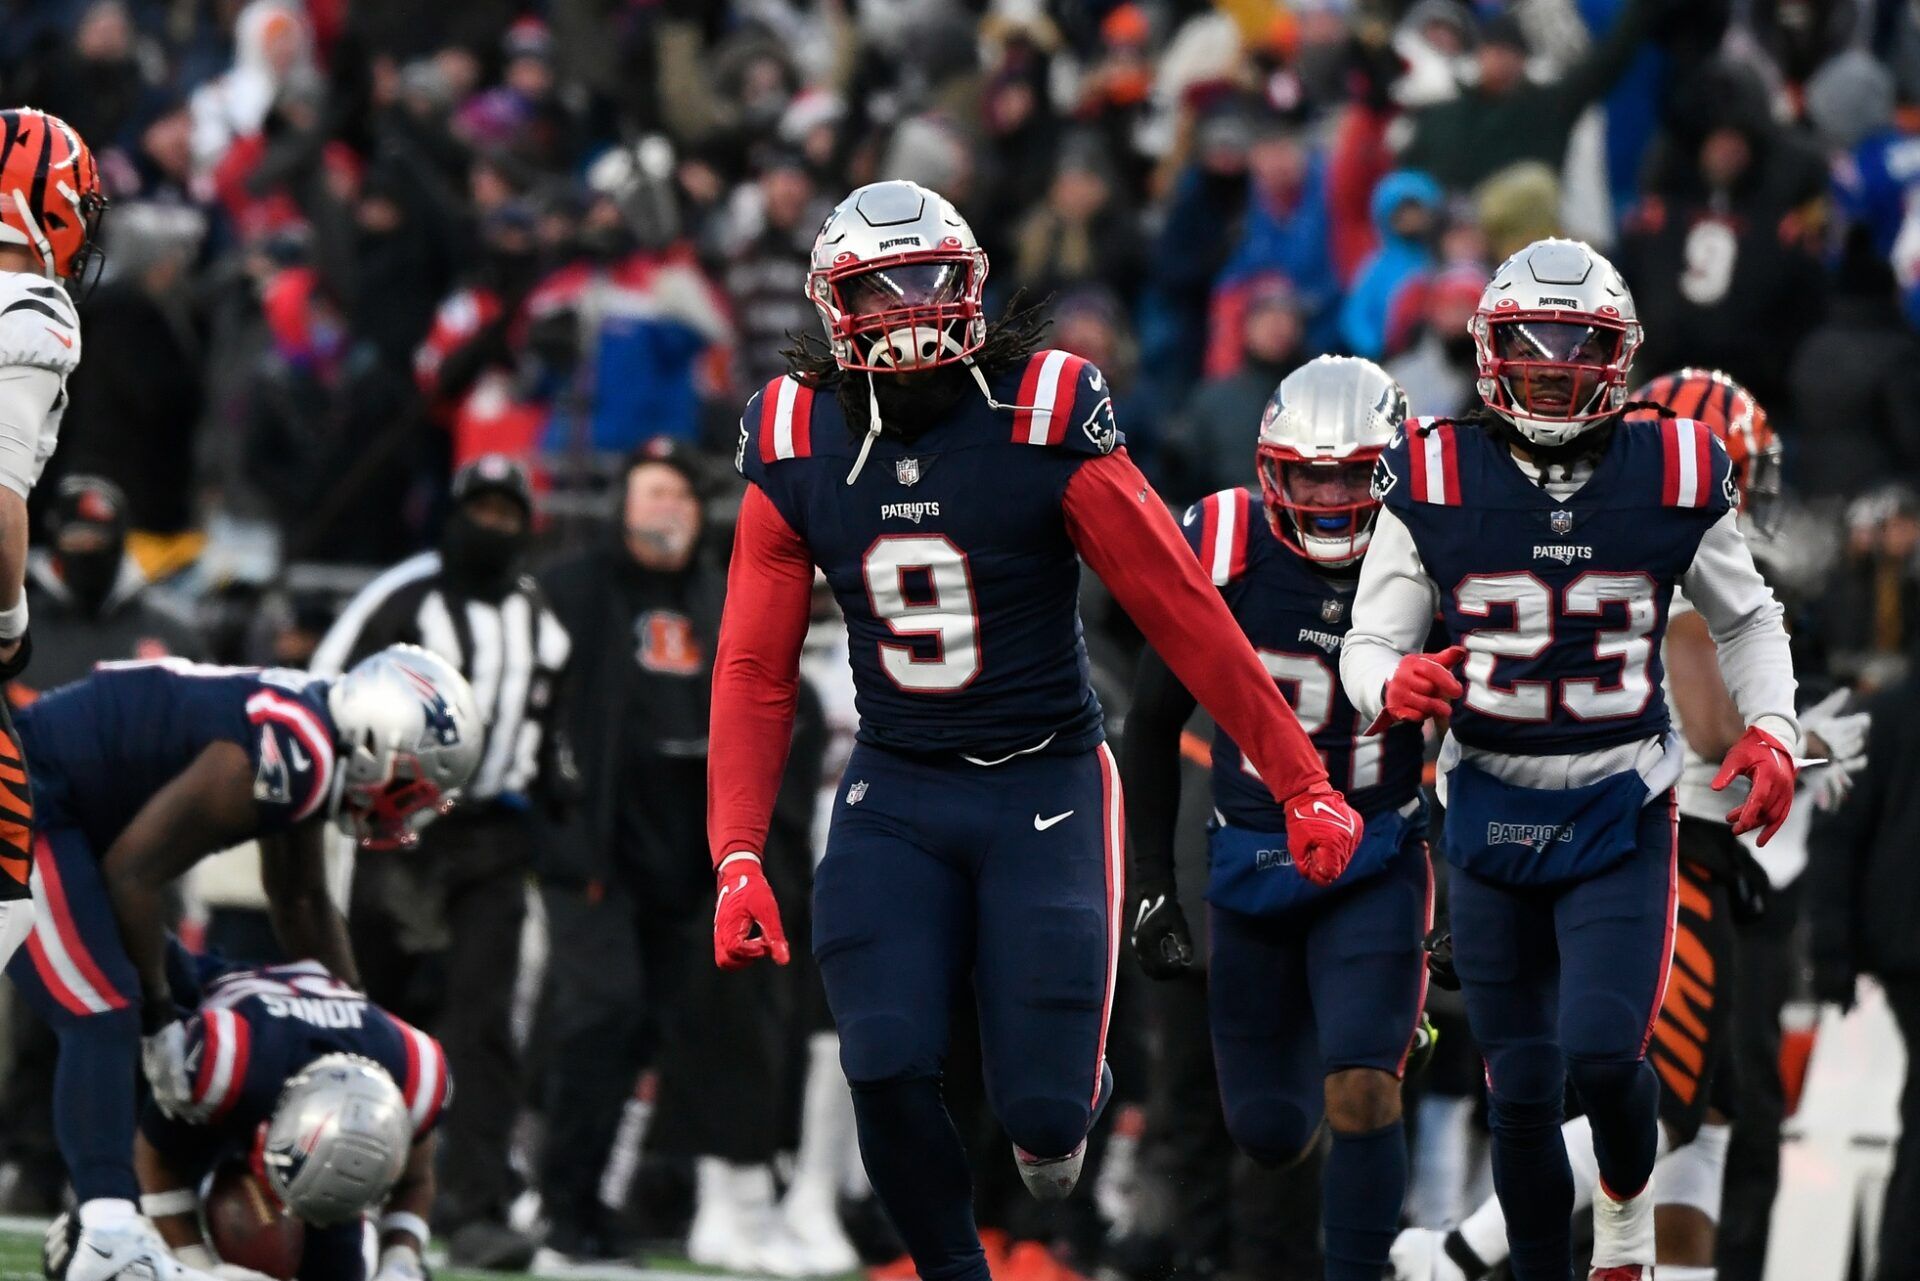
(141, 770)
(1550, 533)
(948, 477)
(1314, 991)
(331, 1099)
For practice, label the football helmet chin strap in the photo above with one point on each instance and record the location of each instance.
(888, 346)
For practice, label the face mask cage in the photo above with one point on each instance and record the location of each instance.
(390, 815)
(1554, 366)
(1333, 523)
(910, 312)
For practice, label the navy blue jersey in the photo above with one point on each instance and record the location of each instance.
(1562, 603)
(949, 554)
(256, 1028)
(101, 747)
(1296, 618)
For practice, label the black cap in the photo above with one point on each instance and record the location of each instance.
(669, 452)
(494, 474)
(1504, 28)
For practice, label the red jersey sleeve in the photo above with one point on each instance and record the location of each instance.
(1123, 531)
(756, 675)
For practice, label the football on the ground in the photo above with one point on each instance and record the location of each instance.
(249, 1227)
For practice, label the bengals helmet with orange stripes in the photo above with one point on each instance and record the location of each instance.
(1731, 413)
(50, 194)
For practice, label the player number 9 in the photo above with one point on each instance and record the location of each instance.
(938, 607)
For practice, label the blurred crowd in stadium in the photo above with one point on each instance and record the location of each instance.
(354, 247)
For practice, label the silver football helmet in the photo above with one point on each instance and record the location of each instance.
(338, 1139)
(896, 276)
(1323, 428)
(1555, 335)
(410, 738)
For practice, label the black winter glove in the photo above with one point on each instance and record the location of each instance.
(1161, 940)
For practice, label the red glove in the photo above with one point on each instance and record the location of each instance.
(745, 904)
(1322, 833)
(1766, 763)
(1423, 687)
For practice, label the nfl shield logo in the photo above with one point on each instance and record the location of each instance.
(1561, 522)
(907, 471)
(857, 792)
(1332, 611)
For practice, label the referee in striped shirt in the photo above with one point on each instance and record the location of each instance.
(460, 899)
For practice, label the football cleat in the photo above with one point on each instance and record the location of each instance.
(130, 1251)
(1050, 1178)
(1420, 1254)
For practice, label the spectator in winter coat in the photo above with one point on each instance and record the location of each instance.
(1504, 117)
(1406, 210)
(1855, 384)
(1287, 228)
(1207, 446)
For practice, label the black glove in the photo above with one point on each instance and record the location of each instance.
(1440, 960)
(1161, 939)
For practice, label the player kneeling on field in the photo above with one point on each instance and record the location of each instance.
(328, 1101)
(140, 771)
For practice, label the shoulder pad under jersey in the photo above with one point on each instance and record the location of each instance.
(777, 425)
(1063, 401)
(38, 325)
(1216, 528)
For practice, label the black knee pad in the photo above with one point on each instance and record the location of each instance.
(1601, 1080)
(1046, 1127)
(877, 1048)
(1272, 1129)
(1528, 1087)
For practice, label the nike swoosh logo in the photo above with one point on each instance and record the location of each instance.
(1332, 814)
(1146, 910)
(726, 890)
(1192, 514)
(64, 340)
(1042, 824)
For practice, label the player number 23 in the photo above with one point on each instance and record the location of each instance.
(1531, 634)
(920, 587)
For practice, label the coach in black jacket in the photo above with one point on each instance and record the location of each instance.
(461, 898)
(1865, 879)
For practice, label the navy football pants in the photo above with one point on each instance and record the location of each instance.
(1335, 983)
(935, 873)
(1563, 982)
(75, 974)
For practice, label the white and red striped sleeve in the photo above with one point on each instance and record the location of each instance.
(1063, 402)
(1434, 463)
(1693, 465)
(226, 1046)
(425, 1082)
(1216, 529)
(293, 756)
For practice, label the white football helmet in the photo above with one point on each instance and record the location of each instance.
(410, 738)
(1323, 428)
(1555, 334)
(338, 1139)
(896, 276)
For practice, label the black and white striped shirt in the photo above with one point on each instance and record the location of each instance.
(513, 651)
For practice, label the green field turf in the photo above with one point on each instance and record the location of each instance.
(20, 1261)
